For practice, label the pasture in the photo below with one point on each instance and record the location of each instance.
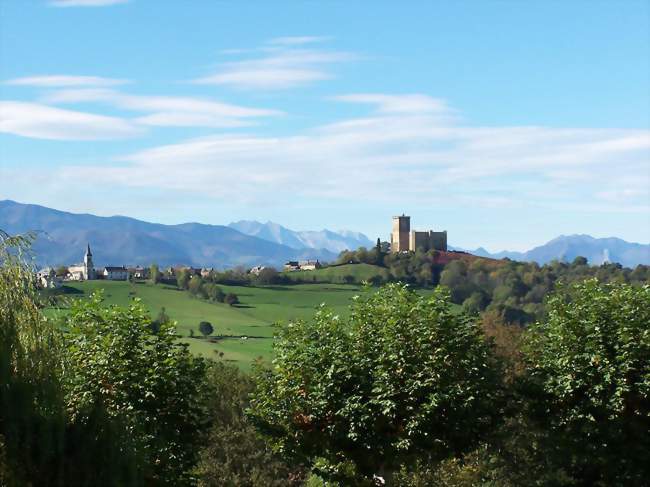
(242, 333)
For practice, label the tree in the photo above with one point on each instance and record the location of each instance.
(231, 299)
(32, 406)
(133, 397)
(61, 271)
(162, 319)
(234, 454)
(182, 278)
(589, 387)
(194, 286)
(348, 279)
(268, 275)
(154, 274)
(205, 327)
(403, 379)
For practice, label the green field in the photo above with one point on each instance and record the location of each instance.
(260, 307)
(337, 273)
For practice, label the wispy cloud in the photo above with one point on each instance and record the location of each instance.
(416, 103)
(398, 154)
(280, 64)
(296, 40)
(60, 81)
(45, 122)
(168, 110)
(85, 3)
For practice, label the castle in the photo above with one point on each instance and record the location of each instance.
(403, 239)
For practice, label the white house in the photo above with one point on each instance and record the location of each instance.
(116, 273)
(47, 278)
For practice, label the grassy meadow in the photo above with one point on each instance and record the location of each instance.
(253, 318)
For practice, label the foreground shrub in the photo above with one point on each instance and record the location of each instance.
(403, 379)
(234, 454)
(32, 413)
(589, 388)
(133, 397)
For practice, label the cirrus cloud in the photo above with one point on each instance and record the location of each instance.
(46, 122)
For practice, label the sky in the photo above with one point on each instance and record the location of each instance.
(505, 123)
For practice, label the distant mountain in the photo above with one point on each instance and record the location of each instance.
(118, 240)
(568, 247)
(323, 239)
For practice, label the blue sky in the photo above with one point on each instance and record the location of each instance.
(505, 123)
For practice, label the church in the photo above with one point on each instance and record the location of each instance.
(85, 271)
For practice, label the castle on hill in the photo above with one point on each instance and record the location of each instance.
(403, 239)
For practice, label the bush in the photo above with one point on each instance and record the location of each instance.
(403, 379)
(589, 369)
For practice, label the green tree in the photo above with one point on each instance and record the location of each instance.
(32, 407)
(234, 454)
(139, 389)
(231, 299)
(154, 274)
(194, 286)
(182, 278)
(589, 369)
(206, 329)
(162, 319)
(268, 275)
(403, 379)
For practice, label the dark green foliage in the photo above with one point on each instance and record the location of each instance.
(235, 455)
(154, 274)
(231, 299)
(32, 414)
(160, 320)
(589, 383)
(267, 276)
(403, 379)
(130, 388)
(206, 328)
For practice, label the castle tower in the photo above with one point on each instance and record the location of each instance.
(399, 238)
(89, 269)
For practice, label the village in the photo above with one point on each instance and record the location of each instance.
(50, 277)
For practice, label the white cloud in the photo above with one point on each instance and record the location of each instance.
(297, 40)
(45, 122)
(400, 154)
(282, 66)
(55, 81)
(399, 103)
(168, 110)
(85, 3)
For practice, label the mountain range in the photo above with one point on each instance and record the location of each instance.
(323, 239)
(61, 238)
(568, 247)
(116, 240)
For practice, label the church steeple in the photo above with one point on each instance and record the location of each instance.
(89, 268)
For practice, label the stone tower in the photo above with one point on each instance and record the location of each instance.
(399, 238)
(89, 269)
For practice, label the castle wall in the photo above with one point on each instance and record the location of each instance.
(438, 240)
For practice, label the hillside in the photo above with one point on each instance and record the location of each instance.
(118, 240)
(260, 308)
(338, 273)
